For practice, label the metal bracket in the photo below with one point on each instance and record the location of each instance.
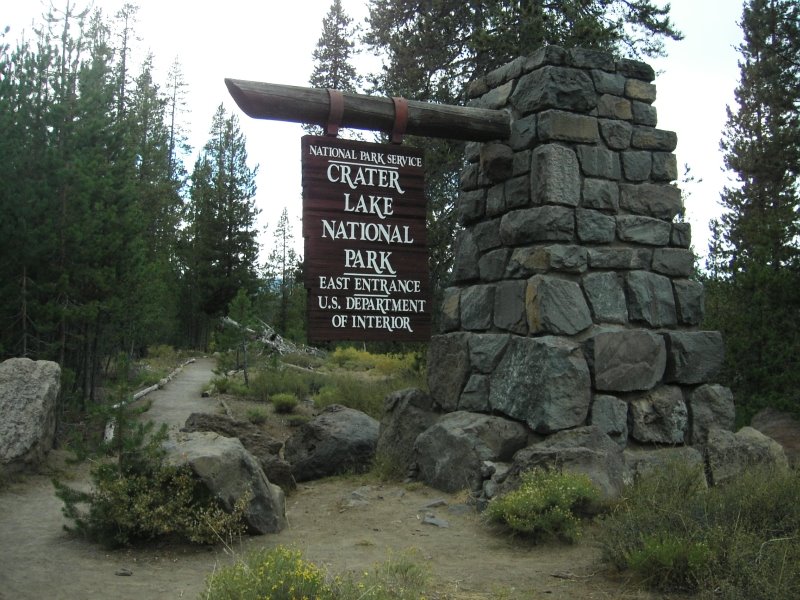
(400, 119)
(335, 112)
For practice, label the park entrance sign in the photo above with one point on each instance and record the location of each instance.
(364, 230)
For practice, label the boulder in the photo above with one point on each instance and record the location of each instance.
(641, 461)
(28, 394)
(783, 428)
(584, 450)
(728, 454)
(450, 454)
(338, 440)
(407, 413)
(610, 414)
(229, 472)
(693, 356)
(256, 441)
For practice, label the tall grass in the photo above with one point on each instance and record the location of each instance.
(736, 541)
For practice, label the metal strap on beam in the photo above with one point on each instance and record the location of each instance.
(400, 119)
(335, 112)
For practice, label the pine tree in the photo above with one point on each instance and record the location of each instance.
(222, 247)
(332, 57)
(280, 277)
(755, 296)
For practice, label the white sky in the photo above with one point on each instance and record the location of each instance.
(273, 40)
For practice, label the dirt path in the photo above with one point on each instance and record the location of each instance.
(342, 523)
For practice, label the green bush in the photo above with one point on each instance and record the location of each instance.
(284, 403)
(546, 505)
(277, 574)
(257, 415)
(307, 361)
(736, 541)
(283, 574)
(268, 382)
(138, 496)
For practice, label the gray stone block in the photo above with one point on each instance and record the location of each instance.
(693, 356)
(492, 265)
(522, 162)
(471, 206)
(710, 406)
(469, 177)
(465, 261)
(495, 98)
(649, 138)
(450, 319)
(477, 302)
(497, 161)
(610, 415)
(507, 72)
(599, 162)
(542, 381)
(636, 69)
(650, 299)
(486, 350)
(659, 416)
(517, 192)
(594, 227)
(674, 262)
(486, 234)
(643, 230)
(583, 58)
(509, 307)
(620, 258)
(557, 125)
(614, 107)
(644, 114)
(626, 360)
(665, 167)
(616, 134)
(546, 55)
(537, 224)
(448, 368)
(475, 396)
(651, 200)
(472, 152)
(729, 454)
(606, 297)
(601, 194)
(496, 200)
(555, 176)
(523, 133)
(554, 87)
(636, 89)
(690, 301)
(637, 164)
(681, 235)
(641, 461)
(608, 83)
(556, 306)
(529, 260)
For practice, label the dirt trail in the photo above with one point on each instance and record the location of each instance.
(341, 523)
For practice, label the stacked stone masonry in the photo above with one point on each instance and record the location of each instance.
(572, 302)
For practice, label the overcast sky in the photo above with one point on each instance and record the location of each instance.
(272, 41)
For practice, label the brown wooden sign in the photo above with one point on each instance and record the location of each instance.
(366, 255)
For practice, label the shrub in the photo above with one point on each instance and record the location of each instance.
(265, 383)
(257, 415)
(284, 403)
(737, 541)
(545, 504)
(138, 496)
(307, 361)
(279, 573)
(283, 574)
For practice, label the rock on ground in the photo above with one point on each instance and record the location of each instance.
(28, 394)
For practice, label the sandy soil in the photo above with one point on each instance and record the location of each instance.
(344, 523)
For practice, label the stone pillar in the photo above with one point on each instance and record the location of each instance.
(571, 301)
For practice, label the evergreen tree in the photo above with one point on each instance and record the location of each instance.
(283, 283)
(222, 244)
(754, 297)
(332, 57)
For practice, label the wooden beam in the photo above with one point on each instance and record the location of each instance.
(307, 105)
